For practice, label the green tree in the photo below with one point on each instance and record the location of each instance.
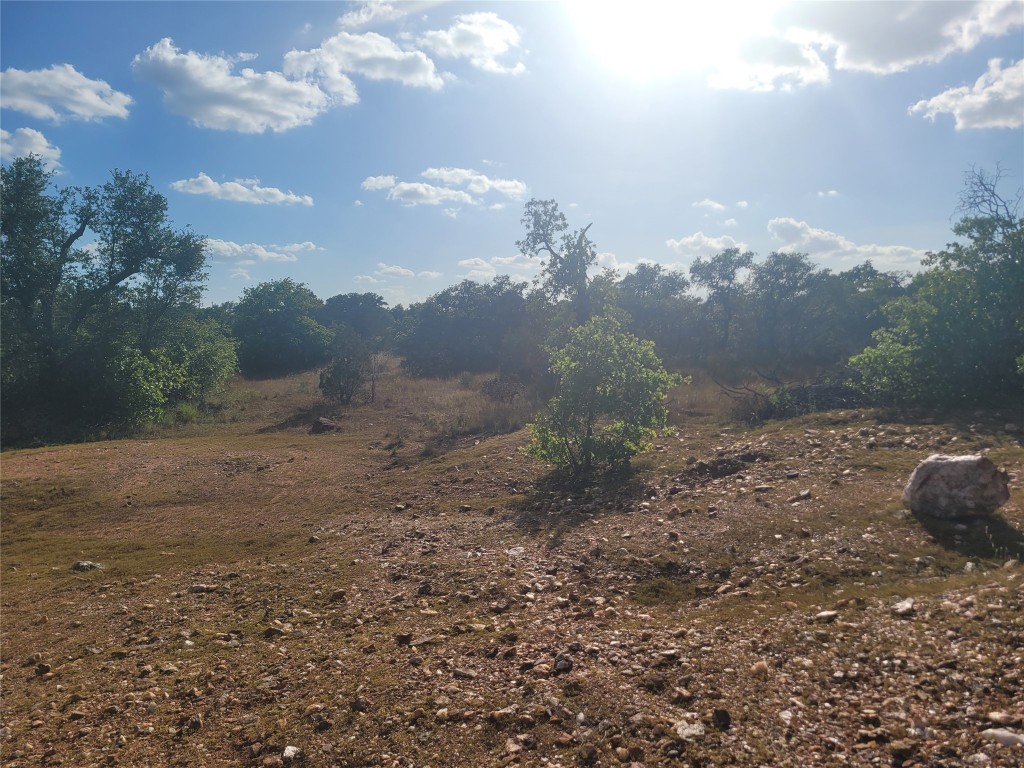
(609, 401)
(956, 336)
(569, 255)
(89, 330)
(349, 368)
(364, 313)
(462, 328)
(656, 300)
(721, 277)
(276, 328)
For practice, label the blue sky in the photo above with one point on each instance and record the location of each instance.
(390, 147)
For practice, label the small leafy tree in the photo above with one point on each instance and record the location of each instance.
(349, 368)
(610, 399)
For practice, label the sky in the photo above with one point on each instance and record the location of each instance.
(391, 147)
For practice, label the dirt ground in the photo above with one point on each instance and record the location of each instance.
(377, 597)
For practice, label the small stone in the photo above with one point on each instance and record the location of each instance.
(826, 617)
(1004, 737)
(271, 632)
(359, 704)
(563, 664)
(290, 753)
(314, 539)
(690, 731)
(588, 753)
(81, 566)
(759, 669)
(1002, 718)
(338, 596)
(904, 607)
(463, 674)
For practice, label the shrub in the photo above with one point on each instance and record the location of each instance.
(609, 402)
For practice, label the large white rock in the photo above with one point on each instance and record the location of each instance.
(956, 486)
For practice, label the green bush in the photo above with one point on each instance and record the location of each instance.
(609, 402)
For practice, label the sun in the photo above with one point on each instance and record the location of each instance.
(661, 39)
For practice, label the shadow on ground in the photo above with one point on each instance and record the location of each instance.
(982, 537)
(559, 502)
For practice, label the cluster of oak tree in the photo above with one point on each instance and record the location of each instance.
(103, 337)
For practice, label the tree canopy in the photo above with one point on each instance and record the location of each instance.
(99, 302)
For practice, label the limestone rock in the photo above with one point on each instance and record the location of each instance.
(955, 486)
(322, 425)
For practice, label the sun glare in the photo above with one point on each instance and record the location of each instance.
(652, 40)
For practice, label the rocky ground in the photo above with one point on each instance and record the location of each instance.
(749, 597)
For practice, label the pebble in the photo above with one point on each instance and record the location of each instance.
(904, 607)
(1005, 737)
(759, 669)
(690, 731)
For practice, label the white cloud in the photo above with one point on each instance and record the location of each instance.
(61, 92)
(476, 186)
(378, 182)
(368, 279)
(241, 274)
(828, 193)
(770, 62)
(392, 270)
(883, 38)
(880, 38)
(480, 37)
(358, 203)
(710, 204)
(730, 222)
(239, 190)
(607, 260)
(412, 193)
(478, 270)
(742, 203)
(306, 245)
(996, 100)
(835, 251)
(699, 244)
(428, 275)
(476, 182)
(28, 141)
(250, 253)
(206, 90)
(370, 13)
(519, 261)
(370, 55)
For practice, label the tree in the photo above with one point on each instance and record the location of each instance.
(276, 329)
(462, 328)
(89, 333)
(349, 368)
(655, 298)
(569, 256)
(956, 337)
(720, 277)
(365, 313)
(610, 399)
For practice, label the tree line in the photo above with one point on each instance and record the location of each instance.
(103, 330)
